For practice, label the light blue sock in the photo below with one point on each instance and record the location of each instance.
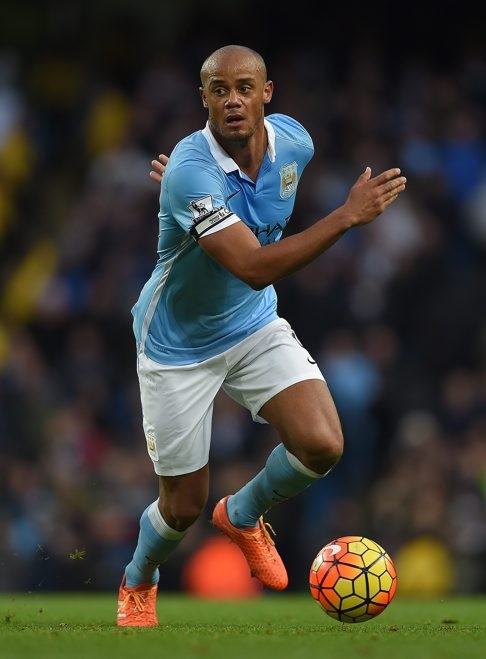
(282, 478)
(156, 541)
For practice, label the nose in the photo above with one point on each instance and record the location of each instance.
(233, 98)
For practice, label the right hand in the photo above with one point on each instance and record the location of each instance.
(369, 197)
(158, 168)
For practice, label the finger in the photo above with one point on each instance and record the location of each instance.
(388, 175)
(394, 192)
(394, 184)
(158, 166)
(393, 195)
(163, 158)
(366, 175)
(156, 177)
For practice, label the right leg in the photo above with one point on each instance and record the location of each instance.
(162, 526)
(177, 406)
(165, 522)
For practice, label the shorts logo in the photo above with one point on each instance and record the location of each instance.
(288, 180)
(152, 446)
(201, 207)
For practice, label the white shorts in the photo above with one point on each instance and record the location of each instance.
(177, 401)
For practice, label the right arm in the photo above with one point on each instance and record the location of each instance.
(238, 250)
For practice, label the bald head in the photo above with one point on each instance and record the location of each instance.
(244, 56)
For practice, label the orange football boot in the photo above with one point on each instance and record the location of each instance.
(136, 606)
(257, 547)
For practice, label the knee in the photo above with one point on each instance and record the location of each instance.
(334, 449)
(322, 449)
(180, 514)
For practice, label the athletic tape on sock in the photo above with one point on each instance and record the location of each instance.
(297, 464)
(160, 525)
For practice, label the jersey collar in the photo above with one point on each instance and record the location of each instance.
(226, 163)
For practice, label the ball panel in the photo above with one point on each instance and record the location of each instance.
(390, 566)
(363, 618)
(371, 557)
(361, 586)
(348, 571)
(374, 585)
(371, 544)
(385, 581)
(318, 561)
(376, 609)
(381, 598)
(344, 587)
(329, 599)
(328, 575)
(351, 603)
(346, 617)
(353, 559)
(357, 547)
(378, 567)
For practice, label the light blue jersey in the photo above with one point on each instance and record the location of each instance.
(192, 308)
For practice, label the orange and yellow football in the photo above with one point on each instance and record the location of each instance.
(353, 579)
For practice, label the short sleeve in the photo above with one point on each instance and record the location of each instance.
(194, 195)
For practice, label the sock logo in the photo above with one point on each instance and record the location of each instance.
(279, 497)
(151, 561)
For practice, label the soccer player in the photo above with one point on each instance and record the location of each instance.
(207, 319)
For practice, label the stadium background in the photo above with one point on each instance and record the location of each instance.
(394, 313)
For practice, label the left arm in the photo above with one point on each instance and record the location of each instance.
(158, 168)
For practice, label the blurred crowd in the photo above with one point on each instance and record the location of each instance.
(395, 312)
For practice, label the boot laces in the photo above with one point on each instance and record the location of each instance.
(138, 599)
(262, 534)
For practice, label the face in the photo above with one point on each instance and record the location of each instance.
(235, 92)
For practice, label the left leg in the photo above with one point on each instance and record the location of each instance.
(312, 442)
(307, 421)
(277, 380)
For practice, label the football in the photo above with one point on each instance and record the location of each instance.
(353, 579)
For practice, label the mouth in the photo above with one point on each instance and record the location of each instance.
(234, 119)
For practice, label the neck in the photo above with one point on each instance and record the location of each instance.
(248, 153)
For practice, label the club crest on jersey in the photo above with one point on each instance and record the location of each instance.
(288, 180)
(201, 207)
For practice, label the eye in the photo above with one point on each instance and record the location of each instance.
(218, 91)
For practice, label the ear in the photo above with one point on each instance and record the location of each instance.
(267, 92)
(203, 97)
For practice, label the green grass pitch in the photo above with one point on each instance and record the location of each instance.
(276, 625)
